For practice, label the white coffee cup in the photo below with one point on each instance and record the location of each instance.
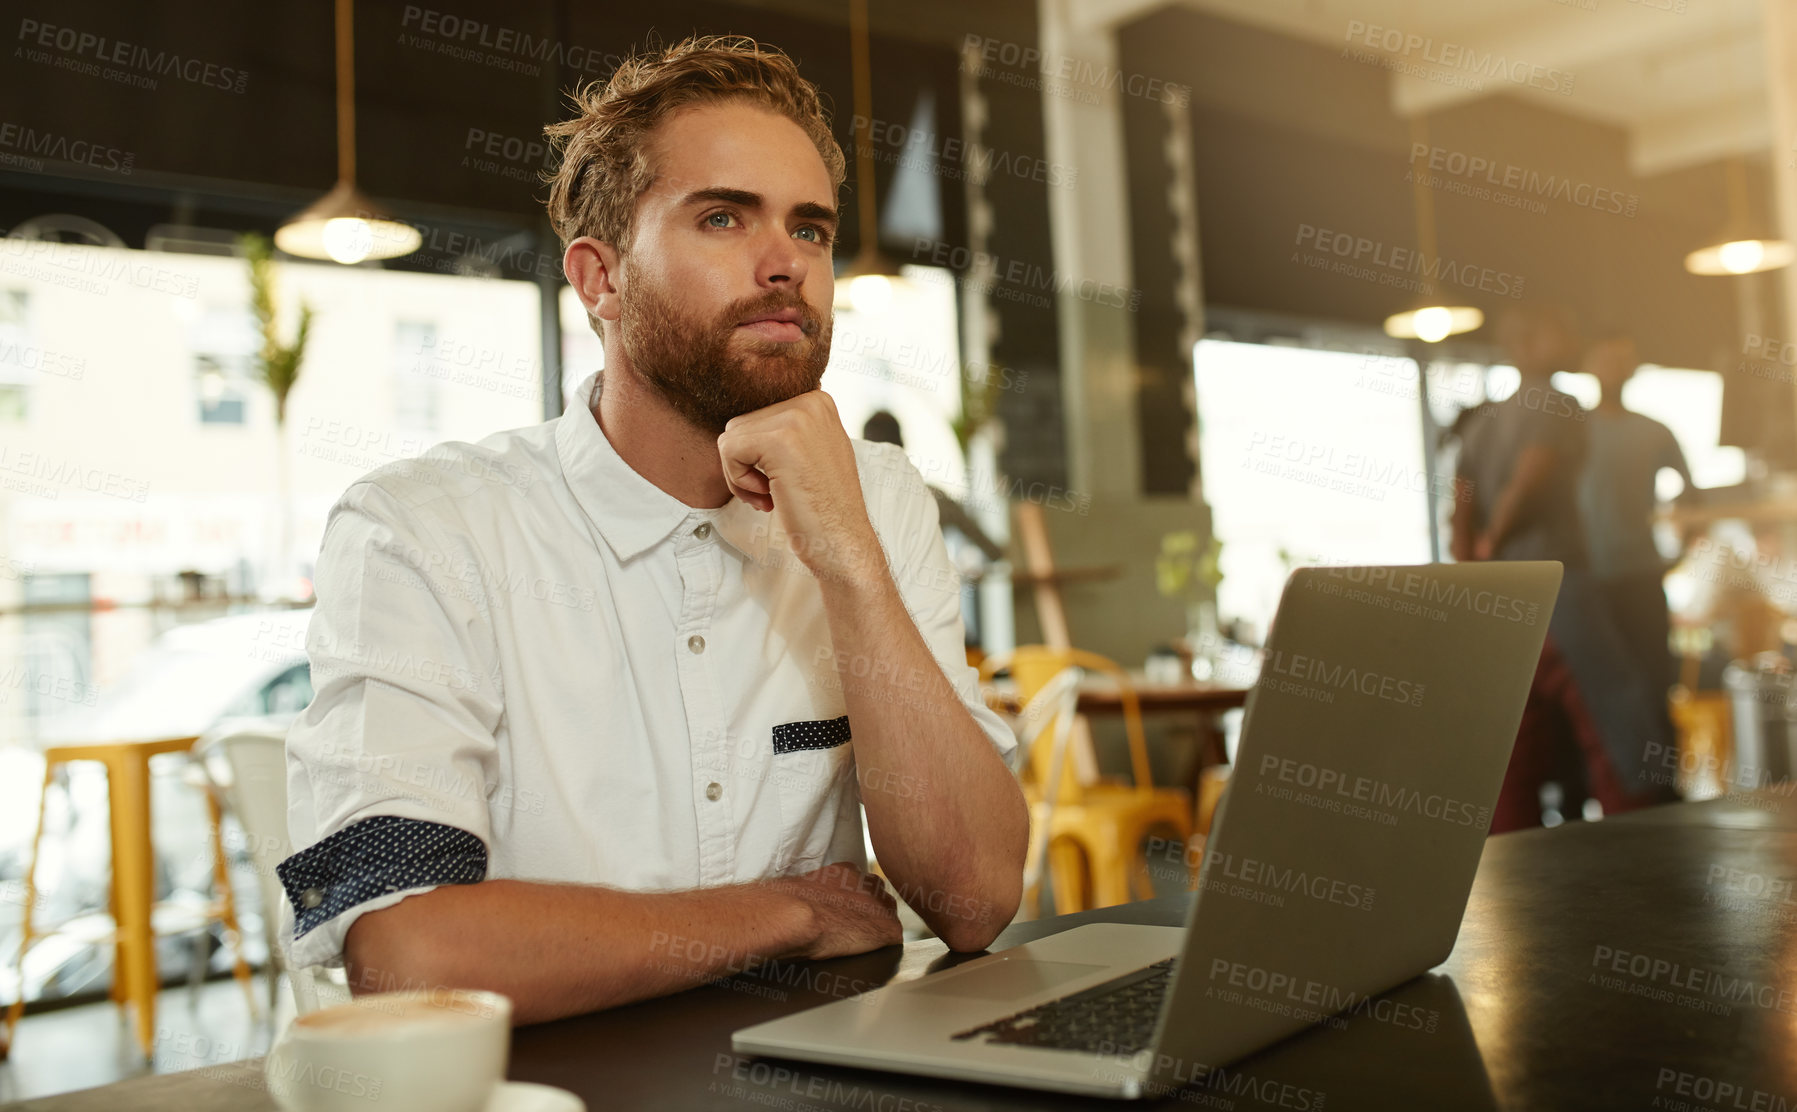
(443, 1050)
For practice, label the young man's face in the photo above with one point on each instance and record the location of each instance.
(726, 290)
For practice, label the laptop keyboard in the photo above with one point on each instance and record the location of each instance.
(1116, 1017)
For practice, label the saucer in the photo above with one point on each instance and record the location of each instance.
(523, 1096)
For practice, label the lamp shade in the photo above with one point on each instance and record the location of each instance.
(868, 283)
(1433, 323)
(1740, 256)
(346, 227)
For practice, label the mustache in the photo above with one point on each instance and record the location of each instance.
(772, 302)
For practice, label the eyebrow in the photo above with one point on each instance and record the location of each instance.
(807, 210)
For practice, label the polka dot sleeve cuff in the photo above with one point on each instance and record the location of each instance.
(376, 857)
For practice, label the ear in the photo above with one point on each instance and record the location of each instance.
(592, 268)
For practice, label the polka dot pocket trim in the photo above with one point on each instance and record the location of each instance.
(825, 734)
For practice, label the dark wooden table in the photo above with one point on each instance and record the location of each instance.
(1649, 961)
(1099, 694)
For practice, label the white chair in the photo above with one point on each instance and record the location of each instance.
(246, 762)
(1056, 702)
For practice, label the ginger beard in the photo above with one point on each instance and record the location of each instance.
(712, 371)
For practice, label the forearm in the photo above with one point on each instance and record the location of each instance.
(563, 949)
(1462, 527)
(1504, 516)
(1533, 472)
(955, 849)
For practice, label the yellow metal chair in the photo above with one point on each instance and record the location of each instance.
(1089, 832)
(1704, 721)
(134, 978)
(1212, 783)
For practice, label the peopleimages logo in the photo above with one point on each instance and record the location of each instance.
(1507, 175)
(1649, 973)
(48, 144)
(499, 47)
(1712, 1092)
(915, 148)
(37, 473)
(1376, 793)
(1434, 591)
(1226, 873)
(77, 45)
(1454, 56)
(1344, 678)
(1321, 465)
(1330, 1002)
(1351, 251)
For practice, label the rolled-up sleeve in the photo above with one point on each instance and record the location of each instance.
(931, 587)
(388, 768)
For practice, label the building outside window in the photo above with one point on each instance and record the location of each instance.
(225, 342)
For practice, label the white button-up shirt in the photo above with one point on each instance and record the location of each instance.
(531, 662)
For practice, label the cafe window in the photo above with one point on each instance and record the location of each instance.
(225, 343)
(15, 336)
(414, 388)
(57, 645)
(20, 360)
(1341, 477)
(1308, 457)
(222, 401)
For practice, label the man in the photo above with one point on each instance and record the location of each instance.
(1516, 492)
(1617, 500)
(586, 690)
(1520, 458)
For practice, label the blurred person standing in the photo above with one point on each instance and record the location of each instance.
(1516, 488)
(1517, 498)
(1617, 500)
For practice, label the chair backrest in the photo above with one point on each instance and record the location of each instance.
(1032, 667)
(1049, 714)
(255, 790)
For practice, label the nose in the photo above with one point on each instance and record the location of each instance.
(780, 263)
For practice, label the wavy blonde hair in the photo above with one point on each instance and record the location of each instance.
(604, 166)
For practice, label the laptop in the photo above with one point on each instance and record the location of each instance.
(1338, 867)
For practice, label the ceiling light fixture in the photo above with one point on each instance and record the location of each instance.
(1741, 256)
(1740, 248)
(1429, 321)
(1433, 323)
(870, 282)
(343, 225)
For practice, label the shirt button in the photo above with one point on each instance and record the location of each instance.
(702, 532)
(696, 643)
(311, 898)
(713, 791)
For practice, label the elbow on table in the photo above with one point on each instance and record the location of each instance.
(974, 932)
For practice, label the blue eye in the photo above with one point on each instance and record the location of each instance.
(716, 216)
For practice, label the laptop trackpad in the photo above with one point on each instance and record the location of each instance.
(1005, 980)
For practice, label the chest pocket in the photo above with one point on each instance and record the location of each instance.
(811, 760)
(795, 736)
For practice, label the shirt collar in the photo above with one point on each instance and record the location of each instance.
(630, 512)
